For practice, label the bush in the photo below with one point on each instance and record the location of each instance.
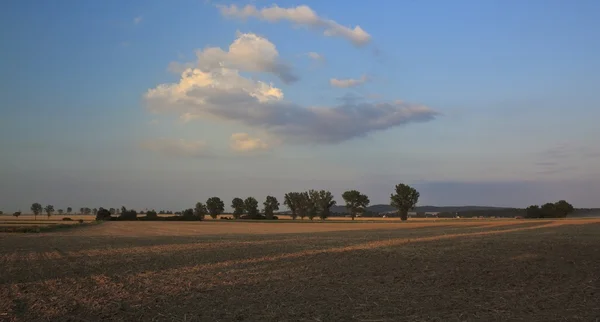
(80, 221)
(128, 214)
(67, 219)
(102, 214)
(151, 215)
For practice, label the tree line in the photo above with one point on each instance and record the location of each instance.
(559, 209)
(309, 204)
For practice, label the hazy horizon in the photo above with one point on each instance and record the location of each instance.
(154, 104)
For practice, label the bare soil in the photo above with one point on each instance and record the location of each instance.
(515, 270)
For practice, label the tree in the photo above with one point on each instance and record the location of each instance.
(215, 206)
(94, 211)
(312, 204)
(290, 200)
(36, 208)
(563, 208)
(356, 202)
(87, 211)
(325, 202)
(271, 204)
(151, 214)
(533, 211)
(304, 204)
(112, 211)
(200, 210)
(251, 206)
(82, 210)
(17, 214)
(238, 207)
(103, 214)
(60, 211)
(69, 210)
(405, 199)
(548, 210)
(188, 213)
(125, 214)
(49, 209)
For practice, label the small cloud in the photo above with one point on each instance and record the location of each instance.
(242, 142)
(137, 20)
(316, 56)
(302, 16)
(179, 147)
(346, 83)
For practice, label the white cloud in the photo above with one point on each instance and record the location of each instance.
(137, 20)
(316, 56)
(179, 147)
(250, 53)
(242, 142)
(350, 82)
(300, 15)
(222, 94)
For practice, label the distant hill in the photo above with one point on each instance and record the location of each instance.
(387, 208)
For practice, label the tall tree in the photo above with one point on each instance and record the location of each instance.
(251, 206)
(87, 211)
(200, 210)
(405, 199)
(562, 208)
(94, 211)
(49, 209)
(112, 211)
(215, 206)
(271, 205)
(313, 204)
(69, 210)
(81, 210)
(60, 211)
(290, 200)
(304, 204)
(356, 202)
(36, 208)
(325, 203)
(238, 207)
(548, 210)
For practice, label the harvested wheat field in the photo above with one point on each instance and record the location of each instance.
(265, 271)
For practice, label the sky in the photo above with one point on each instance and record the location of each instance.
(160, 104)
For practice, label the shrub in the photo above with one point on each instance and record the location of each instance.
(128, 214)
(102, 214)
(151, 215)
(80, 221)
(67, 219)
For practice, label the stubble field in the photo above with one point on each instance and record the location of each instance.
(448, 270)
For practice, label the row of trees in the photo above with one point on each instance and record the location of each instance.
(559, 209)
(311, 204)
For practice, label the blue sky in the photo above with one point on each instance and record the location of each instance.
(472, 102)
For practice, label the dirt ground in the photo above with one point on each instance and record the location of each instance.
(513, 270)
